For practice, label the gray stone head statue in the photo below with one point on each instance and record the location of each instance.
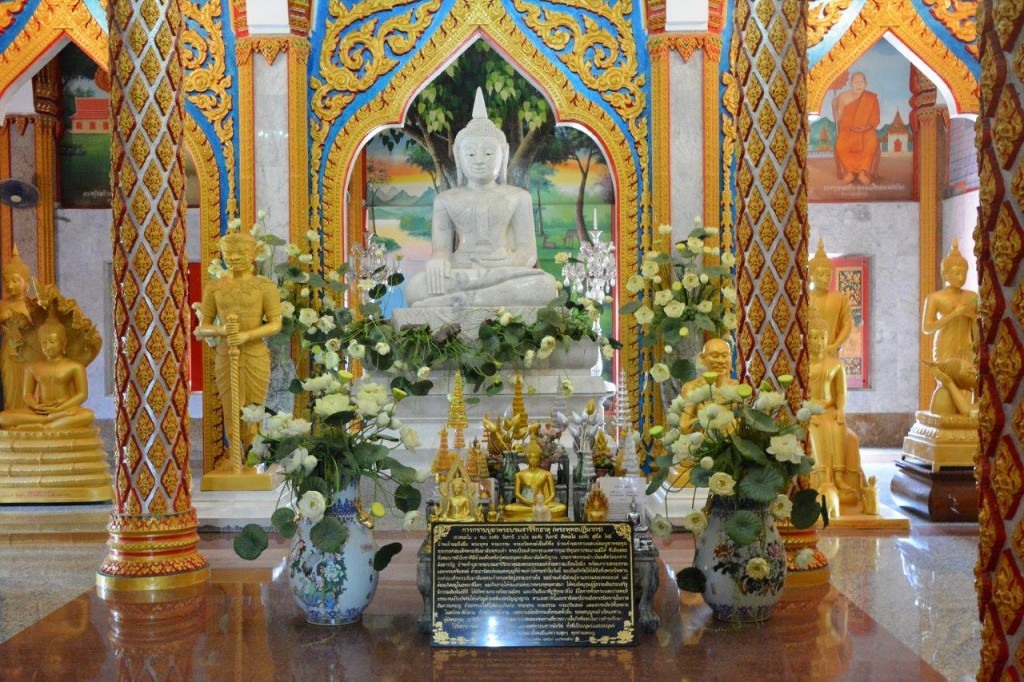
(480, 127)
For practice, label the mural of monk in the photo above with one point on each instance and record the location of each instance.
(857, 116)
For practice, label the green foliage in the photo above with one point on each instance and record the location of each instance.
(407, 498)
(385, 554)
(283, 519)
(691, 579)
(762, 484)
(743, 527)
(328, 535)
(251, 542)
(806, 509)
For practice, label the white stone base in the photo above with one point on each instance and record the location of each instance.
(230, 510)
(679, 504)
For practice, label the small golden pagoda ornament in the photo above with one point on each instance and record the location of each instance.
(457, 421)
(443, 459)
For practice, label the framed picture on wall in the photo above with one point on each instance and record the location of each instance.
(850, 277)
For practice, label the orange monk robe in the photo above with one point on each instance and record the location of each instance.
(855, 150)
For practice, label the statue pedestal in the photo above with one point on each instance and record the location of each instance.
(53, 467)
(228, 481)
(467, 317)
(935, 477)
(942, 441)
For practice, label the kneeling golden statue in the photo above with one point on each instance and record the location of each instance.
(49, 449)
(534, 486)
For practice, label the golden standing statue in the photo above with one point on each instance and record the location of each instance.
(837, 472)
(831, 306)
(950, 313)
(241, 309)
(13, 308)
(49, 449)
(532, 485)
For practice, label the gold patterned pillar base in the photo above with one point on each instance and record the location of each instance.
(152, 553)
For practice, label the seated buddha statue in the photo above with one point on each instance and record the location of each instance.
(837, 473)
(484, 248)
(55, 387)
(534, 484)
(457, 503)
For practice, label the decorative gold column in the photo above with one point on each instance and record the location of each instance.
(1000, 249)
(925, 119)
(6, 217)
(298, 137)
(770, 70)
(46, 94)
(247, 131)
(153, 524)
(771, 201)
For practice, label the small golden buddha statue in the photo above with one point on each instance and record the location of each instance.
(13, 309)
(55, 387)
(837, 472)
(241, 309)
(601, 455)
(831, 306)
(457, 504)
(534, 484)
(476, 467)
(595, 510)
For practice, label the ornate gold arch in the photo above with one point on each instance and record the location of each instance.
(52, 20)
(901, 19)
(466, 22)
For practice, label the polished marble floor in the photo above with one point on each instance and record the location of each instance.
(900, 608)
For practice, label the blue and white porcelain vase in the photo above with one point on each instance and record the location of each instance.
(732, 593)
(334, 589)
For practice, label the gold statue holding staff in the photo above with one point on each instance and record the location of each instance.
(241, 309)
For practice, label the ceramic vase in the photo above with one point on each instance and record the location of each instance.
(334, 589)
(731, 592)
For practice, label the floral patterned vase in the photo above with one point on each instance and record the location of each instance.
(731, 592)
(334, 589)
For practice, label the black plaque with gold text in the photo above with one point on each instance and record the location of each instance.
(532, 584)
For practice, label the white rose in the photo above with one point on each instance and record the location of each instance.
(410, 439)
(781, 508)
(786, 448)
(294, 460)
(769, 401)
(721, 484)
(292, 250)
(331, 360)
(333, 345)
(704, 307)
(528, 358)
(675, 309)
(422, 475)
(728, 259)
(813, 407)
(325, 324)
(635, 284)
(698, 395)
(306, 258)
(649, 268)
(607, 351)
(803, 415)
(664, 228)
(662, 297)
(312, 506)
(643, 315)
(728, 393)
(660, 372)
(356, 350)
(297, 427)
(695, 522)
(566, 388)
(409, 522)
(695, 244)
(308, 317)
(309, 463)
(287, 309)
(547, 347)
(253, 413)
(729, 294)
(259, 446)
(332, 404)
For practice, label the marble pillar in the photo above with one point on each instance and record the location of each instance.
(1000, 248)
(270, 120)
(153, 524)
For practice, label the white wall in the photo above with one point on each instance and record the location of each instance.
(959, 218)
(888, 233)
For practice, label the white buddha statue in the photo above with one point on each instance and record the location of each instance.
(484, 249)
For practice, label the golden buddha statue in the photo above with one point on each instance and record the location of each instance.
(534, 484)
(54, 387)
(595, 510)
(837, 472)
(946, 434)
(831, 306)
(13, 309)
(950, 314)
(241, 309)
(50, 450)
(456, 504)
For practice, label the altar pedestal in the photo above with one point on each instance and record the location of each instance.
(53, 467)
(935, 477)
(229, 481)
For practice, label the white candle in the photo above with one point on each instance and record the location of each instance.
(595, 219)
